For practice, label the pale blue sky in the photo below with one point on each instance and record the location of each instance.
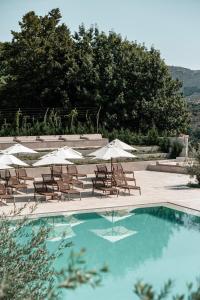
(172, 26)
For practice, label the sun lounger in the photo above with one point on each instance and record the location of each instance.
(65, 188)
(42, 189)
(49, 179)
(72, 170)
(69, 179)
(5, 194)
(14, 183)
(56, 171)
(5, 175)
(118, 167)
(104, 186)
(21, 174)
(121, 183)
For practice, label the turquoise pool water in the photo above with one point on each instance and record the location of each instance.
(152, 244)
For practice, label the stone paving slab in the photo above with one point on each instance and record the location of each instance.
(158, 188)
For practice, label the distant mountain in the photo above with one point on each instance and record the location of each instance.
(190, 80)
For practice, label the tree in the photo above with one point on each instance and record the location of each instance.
(131, 83)
(26, 265)
(45, 66)
(193, 167)
(39, 61)
(145, 291)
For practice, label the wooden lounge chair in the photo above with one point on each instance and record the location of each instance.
(121, 183)
(102, 169)
(118, 167)
(21, 174)
(14, 183)
(65, 188)
(56, 171)
(69, 179)
(5, 175)
(5, 194)
(42, 189)
(49, 180)
(102, 172)
(72, 170)
(104, 186)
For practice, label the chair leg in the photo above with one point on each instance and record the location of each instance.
(80, 196)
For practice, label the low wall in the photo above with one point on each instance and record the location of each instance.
(167, 168)
(43, 145)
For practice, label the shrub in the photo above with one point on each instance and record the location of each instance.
(152, 137)
(164, 144)
(176, 148)
(193, 168)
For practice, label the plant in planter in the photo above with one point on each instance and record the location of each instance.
(176, 148)
(193, 168)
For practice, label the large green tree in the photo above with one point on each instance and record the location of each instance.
(39, 60)
(131, 83)
(45, 66)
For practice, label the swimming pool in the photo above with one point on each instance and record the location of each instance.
(152, 244)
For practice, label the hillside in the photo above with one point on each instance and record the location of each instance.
(190, 80)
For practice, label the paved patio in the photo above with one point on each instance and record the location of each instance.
(157, 189)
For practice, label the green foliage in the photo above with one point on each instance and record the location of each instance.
(145, 291)
(164, 144)
(75, 275)
(176, 148)
(127, 83)
(26, 265)
(153, 137)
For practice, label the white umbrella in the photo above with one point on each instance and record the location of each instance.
(51, 159)
(110, 151)
(9, 159)
(4, 167)
(66, 153)
(122, 145)
(18, 148)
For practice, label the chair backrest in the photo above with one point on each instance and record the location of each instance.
(119, 178)
(66, 177)
(62, 185)
(72, 169)
(5, 174)
(56, 170)
(100, 175)
(117, 167)
(13, 181)
(2, 189)
(47, 177)
(21, 172)
(102, 168)
(40, 187)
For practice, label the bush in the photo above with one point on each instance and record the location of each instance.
(152, 137)
(176, 148)
(194, 167)
(164, 144)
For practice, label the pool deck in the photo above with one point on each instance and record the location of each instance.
(158, 188)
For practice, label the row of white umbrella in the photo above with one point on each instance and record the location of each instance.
(115, 149)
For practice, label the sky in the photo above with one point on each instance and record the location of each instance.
(171, 26)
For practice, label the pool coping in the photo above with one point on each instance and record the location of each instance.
(170, 205)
